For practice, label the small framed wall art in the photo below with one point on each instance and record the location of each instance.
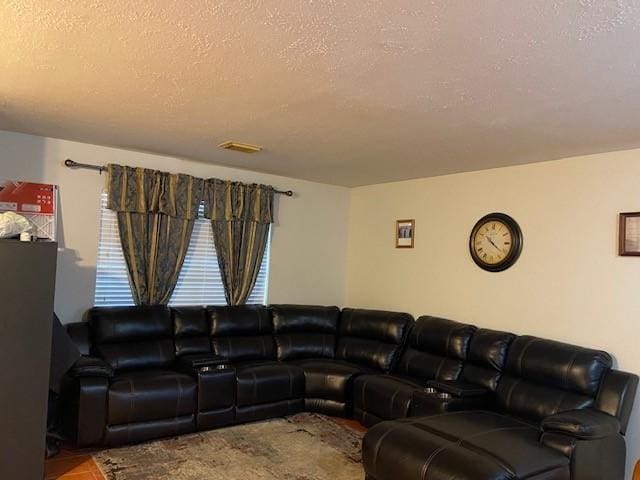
(629, 240)
(405, 233)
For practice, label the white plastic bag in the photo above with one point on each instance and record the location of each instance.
(12, 224)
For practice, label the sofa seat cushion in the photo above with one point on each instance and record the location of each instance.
(387, 397)
(265, 382)
(145, 395)
(329, 379)
(462, 445)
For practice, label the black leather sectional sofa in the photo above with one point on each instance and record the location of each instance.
(444, 400)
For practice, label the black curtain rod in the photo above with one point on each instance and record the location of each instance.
(101, 168)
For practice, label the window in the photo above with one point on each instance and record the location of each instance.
(199, 282)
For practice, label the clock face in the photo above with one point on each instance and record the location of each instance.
(495, 243)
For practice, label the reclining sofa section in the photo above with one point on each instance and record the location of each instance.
(559, 412)
(443, 399)
(139, 378)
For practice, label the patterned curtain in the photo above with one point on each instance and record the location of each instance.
(240, 216)
(156, 213)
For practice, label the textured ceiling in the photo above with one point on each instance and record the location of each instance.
(348, 92)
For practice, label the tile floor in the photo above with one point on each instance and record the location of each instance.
(72, 464)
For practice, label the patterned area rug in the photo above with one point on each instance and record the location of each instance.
(306, 446)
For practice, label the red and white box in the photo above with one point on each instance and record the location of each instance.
(35, 201)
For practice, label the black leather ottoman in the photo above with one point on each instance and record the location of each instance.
(476, 445)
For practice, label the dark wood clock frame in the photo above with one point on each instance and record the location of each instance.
(516, 239)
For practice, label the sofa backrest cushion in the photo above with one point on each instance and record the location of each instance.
(372, 338)
(436, 349)
(303, 331)
(487, 357)
(241, 333)
(132, 337)
(191, 330)
(545, 377)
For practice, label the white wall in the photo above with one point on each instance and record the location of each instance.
(309, 238)
(569, 283)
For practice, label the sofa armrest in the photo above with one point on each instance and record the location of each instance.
(79, 334)
(458, 389)
(583, 424)
(87, 366)
(84, 409)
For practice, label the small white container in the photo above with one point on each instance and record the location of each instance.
(25, 237)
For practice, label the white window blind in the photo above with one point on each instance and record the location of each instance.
(199, 282)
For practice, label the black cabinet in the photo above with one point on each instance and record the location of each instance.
(27, 283)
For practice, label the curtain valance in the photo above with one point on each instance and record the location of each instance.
(141, 190)
(229, 201)
(156, 213)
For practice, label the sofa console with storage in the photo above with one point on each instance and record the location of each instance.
(442, 399)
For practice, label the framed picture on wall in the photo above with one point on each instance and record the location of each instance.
(629, 243)
(405, 233)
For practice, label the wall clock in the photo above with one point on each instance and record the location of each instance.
(496, 242)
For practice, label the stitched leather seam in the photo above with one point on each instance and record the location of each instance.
(259, 321)
(179, 400)
(255, 387)
(325, 380)
(377, 354)
(511, 389)
(559, 404)
(446, 348)
(434, 431)
(521, 356)
(132, 401)
(427, 463)
(131, 407)
(376, 449)
(393, 401)
(543, 471)
(566, 373)
(474, 448)
(439, 368)
(364, 396)
(463, 442)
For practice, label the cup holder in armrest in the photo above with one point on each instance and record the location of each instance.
(213, 368)
(436, 393)
(201, 363)
(458, 389)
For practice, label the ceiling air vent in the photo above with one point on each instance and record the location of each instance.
(240, 147)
